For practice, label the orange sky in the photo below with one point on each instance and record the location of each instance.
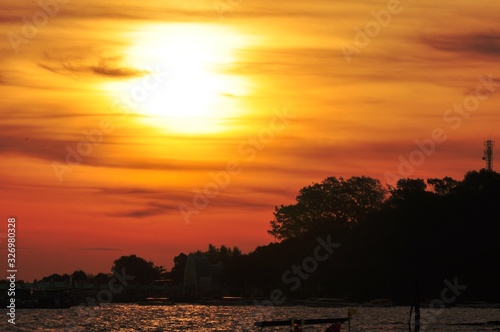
(159, 127)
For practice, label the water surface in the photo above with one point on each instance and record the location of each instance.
(128, 318)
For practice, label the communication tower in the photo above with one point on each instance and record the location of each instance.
(488, 154)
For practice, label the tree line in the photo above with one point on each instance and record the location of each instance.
(428, 230)
(433, 230)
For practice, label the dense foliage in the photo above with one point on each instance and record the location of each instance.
(144, 272)
(428, 230)
(333, 201)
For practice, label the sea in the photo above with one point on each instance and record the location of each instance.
(186, 317)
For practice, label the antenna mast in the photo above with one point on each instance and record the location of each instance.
(488, 154)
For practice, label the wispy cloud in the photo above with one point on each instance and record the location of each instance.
(100, 249)
(473, 43)
(153, 209)
(101, 66)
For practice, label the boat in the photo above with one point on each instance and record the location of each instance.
(379, 303)
(156, 301)
(327, 302)
(297, 324)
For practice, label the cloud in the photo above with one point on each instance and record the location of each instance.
(100, 249)
(227, 202)
(15, 11)
(24, 141)
(154, 209)
(482, 43)
(46, 141)
(155, 202)
(300, 60)
(126, 191)
(108, 67)
(6, 18)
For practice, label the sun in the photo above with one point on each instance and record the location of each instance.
(188, 85)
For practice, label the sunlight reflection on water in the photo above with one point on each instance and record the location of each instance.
(125, 318)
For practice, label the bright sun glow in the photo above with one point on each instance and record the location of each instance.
(186, 86)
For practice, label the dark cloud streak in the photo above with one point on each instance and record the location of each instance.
(100, 249)
(482, 43)
(103, 68)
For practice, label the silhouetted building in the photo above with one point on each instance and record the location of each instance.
(200, 276)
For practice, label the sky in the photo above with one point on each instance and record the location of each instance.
(158, 127)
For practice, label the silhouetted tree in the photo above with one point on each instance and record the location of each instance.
(236, 252)
(144, 272)
(102, 278)
(443, 186)
(483, 180)
(177, 272)
(223, 254)
(408, 188)
(56, 278)
(79, 276)
(442, 229)
(212, 254)
(333, 200)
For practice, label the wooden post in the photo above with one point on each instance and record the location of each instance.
(417, 307)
